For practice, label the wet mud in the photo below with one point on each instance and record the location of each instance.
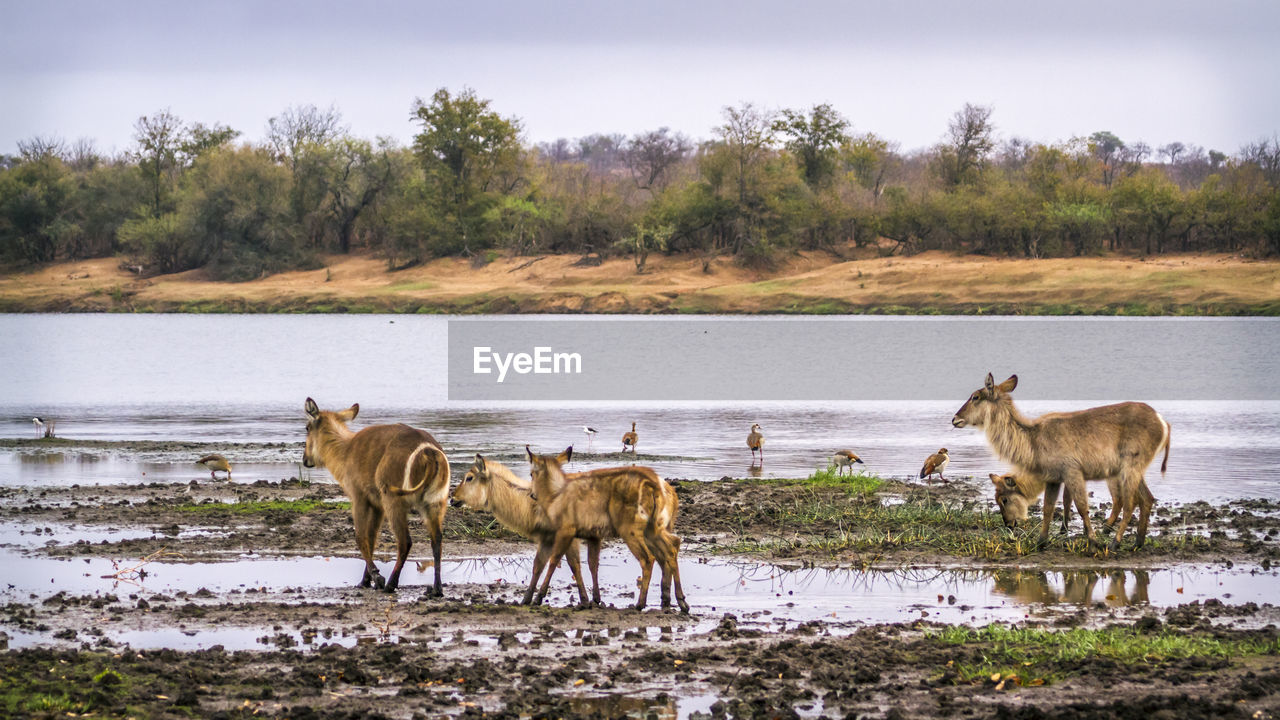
(215, 599)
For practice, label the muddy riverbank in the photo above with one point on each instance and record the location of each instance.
(810, 599)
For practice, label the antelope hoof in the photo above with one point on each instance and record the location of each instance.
(1042, 543)
(639, 605)
(684, 606)
(1137, 545)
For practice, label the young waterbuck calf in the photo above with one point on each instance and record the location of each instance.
(490, 485)
(1015, 493)
(1117, 441)
(631, 503)
(385, 470)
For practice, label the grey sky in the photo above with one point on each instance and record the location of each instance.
(1198, 72)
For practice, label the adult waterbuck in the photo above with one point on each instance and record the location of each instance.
(386, 471)
(1112, 441)
(631, 503)
(490, 485)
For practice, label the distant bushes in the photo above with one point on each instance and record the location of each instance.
(188, 196)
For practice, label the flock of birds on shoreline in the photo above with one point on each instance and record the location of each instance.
(935, 464)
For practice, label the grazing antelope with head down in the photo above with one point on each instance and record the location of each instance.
(631, 503)
(385, 470)
(490, 485)
(1015, 494)
(1066, 449)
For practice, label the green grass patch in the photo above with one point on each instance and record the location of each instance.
(258, 507)
(859, 483)
(1028, 655)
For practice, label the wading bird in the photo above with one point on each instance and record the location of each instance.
(755, 441)
(936, 463)
(846, 459)
(215, 463)
(590, 432)
(630, 439)
(39, 423)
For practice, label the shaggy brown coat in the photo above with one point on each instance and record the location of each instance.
(376, 468)
(631, 503)
(1069, 448)
(490, 485)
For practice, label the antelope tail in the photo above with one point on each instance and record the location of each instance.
(404, 488)
(1167, 441)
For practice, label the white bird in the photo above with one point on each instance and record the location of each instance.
(39, 423)
(591, 433)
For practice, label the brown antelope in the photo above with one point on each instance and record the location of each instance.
(377, 468)
(490, 485)
(755, 441)
(935, 464)
(630, 438)
(846, 459)
(1015, 494)
(631, 503)
(1066, 449)
(215, 463)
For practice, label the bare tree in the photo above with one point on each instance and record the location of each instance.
(38, 147)
(970, 140)
(159, 137)
(1266, 155)
(1172, 151)
(649, 155)
(290, 132)
(748, 133)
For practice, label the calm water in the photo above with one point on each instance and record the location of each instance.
(235, 379)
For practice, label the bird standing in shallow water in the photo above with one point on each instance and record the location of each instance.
(215, 463)
(39, 423)
(591, 434)
(630, 439)
(936, 463)
(846, 459)
(755, 441)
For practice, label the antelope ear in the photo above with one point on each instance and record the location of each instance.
(350, 413)
(990, 383)
(565, 456)
(529, 452)
(312, 409)
(480, 462)
(1008, 385)
(995, 479)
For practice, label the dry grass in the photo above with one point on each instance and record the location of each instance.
(804, 283)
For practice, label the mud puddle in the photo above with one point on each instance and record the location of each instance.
(761, 596)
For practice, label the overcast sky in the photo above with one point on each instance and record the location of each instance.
(1199, 72)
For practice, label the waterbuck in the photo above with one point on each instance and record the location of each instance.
(1069, 448)
(631, 503)
(377, 468)
(1015, 494)
(490, 485)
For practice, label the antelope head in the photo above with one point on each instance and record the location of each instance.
(321, 424)
(473, 491)
(548, 470)
(1013, 504)
(984, 402)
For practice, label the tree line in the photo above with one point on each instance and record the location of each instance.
(187, 195)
